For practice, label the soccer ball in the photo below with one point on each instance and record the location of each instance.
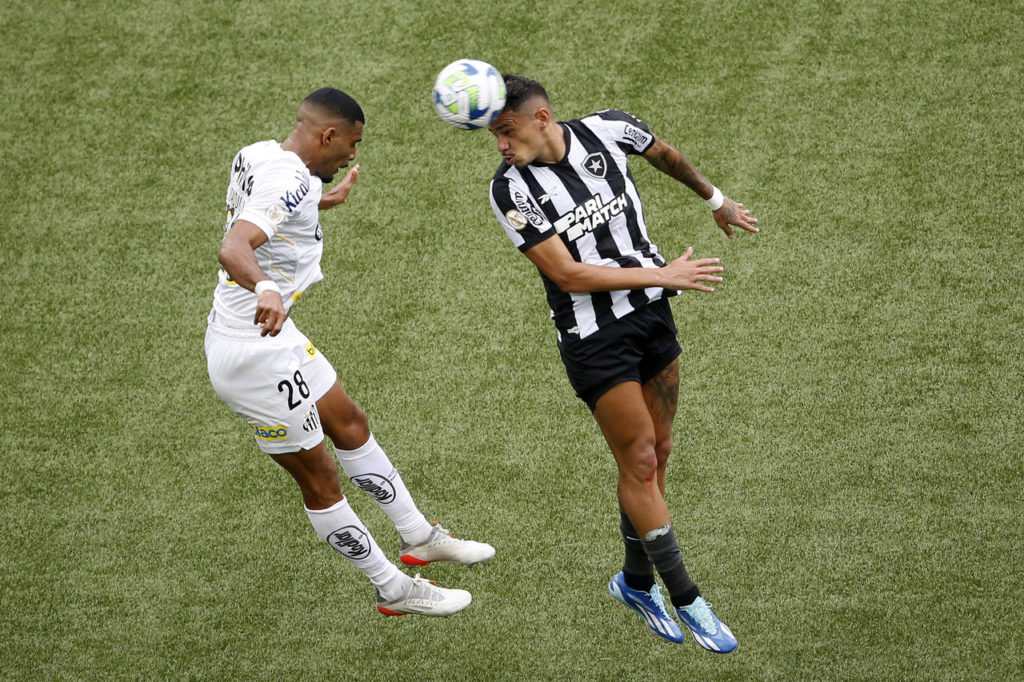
(469, 94)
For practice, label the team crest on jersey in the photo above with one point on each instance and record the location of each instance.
(516, 219)
(596, 165)
(276, 214)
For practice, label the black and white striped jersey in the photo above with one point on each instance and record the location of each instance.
(588, 199)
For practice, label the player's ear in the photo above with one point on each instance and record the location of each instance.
(543, 115)
(327, 136)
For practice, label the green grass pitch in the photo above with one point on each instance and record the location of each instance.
(847, 478)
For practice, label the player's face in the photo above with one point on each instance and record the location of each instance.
(339, 150)
(520, 136)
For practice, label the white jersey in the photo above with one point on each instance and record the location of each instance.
(272, 189)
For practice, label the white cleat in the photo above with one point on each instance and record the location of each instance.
(424, 598)
(441, 546)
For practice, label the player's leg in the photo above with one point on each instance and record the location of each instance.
(661, 395)
(271, 382)
(368, 466)
(629, 431)
(338, 525)
(628, 428)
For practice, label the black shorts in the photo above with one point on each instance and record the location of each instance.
(635, 348)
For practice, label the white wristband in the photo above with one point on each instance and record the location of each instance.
(716, 200)
(265, 285)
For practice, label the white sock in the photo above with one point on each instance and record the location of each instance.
(370, 469)
(340, 528)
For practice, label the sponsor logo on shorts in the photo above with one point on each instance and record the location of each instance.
(350, 541)
(310, 348)
(377, 486)
(269, 432)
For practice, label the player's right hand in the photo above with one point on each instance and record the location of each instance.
(270, 313)
(339, 193)
(688, 274)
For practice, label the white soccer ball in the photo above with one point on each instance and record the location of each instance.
(469, 94)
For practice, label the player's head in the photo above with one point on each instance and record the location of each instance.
(332, 124)
(525, 127)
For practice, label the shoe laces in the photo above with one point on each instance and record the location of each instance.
(421, 590)
(700, 610)
(658, 600)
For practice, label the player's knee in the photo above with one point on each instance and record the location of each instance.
(349, 431)
(640, 464)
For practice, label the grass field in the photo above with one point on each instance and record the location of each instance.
(847, 482)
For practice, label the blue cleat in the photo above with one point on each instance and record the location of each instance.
(650, 605)
(707, 630)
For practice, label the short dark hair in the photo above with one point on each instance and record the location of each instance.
(518, 89)
(336, 102)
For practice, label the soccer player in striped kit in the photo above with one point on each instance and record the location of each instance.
(271, 375)
(566, 198)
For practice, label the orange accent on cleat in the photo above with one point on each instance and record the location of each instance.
(389, 612)
(410, 560)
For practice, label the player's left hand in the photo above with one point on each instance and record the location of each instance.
(339, 193)
(733, 213)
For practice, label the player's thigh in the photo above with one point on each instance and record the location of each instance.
(626, 423)
(661, 396)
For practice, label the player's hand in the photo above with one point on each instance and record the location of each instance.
(339, 193)
(733, 213)
(270, 313)
(689, 274)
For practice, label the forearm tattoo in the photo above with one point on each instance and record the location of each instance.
(668, 160)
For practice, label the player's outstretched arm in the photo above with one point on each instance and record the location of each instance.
(555, 261)
(339, 193)
(237, 255)
(670, 161)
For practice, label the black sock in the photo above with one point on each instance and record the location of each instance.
(637, 568)
(663, 551)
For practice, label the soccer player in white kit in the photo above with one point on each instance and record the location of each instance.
(271, 375)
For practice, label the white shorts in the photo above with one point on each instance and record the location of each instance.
(273, 382)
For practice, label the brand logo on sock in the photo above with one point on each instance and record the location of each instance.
(350, 541)
(380, 488)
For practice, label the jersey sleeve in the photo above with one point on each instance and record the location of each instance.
(518, 214)
(631, 134)
(276, 193)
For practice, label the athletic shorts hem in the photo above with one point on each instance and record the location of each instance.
(637, 347)
(595, 394)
